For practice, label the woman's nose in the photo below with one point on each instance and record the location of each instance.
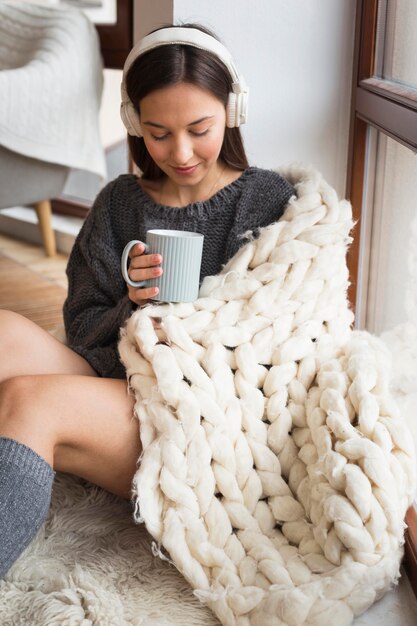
(182, 151)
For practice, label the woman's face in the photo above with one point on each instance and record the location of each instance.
(183, 129)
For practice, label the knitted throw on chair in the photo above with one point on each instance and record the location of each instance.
(276, 470)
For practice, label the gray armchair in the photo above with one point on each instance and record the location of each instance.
(51, 79)
(28, 181)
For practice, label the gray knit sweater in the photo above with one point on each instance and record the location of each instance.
(98, 305)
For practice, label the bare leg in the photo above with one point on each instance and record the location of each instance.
(52, 401)
(55, 412)
(28, 349)
(79, 424)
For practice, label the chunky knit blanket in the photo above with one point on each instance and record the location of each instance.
(276, 469)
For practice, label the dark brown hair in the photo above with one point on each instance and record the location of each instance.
(169, 65)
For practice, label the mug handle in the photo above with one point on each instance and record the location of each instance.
(124, 260)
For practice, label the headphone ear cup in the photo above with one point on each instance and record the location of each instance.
(130, 119)
(232, 119)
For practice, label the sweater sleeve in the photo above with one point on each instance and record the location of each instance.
(261, 204)
(97, 304)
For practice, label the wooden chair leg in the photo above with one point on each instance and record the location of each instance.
(44, 213)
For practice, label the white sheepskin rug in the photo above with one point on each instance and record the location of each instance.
(276, 469)
(91, 565)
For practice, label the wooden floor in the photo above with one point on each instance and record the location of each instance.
(31, 283)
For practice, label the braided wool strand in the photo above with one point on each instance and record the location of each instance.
(276, 470)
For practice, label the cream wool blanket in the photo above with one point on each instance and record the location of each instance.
(276, 469)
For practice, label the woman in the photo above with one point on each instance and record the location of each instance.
(66, 407)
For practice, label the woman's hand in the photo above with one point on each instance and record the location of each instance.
(143, 267)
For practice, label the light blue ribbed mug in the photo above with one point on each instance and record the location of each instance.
(181, 261)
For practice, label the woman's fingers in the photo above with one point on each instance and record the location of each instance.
(145, 260)
(139, 295)
(143, 267)
(139, 259)
(145, 273)
(137, 249)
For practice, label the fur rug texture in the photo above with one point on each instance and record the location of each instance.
(91, 565)
(276, 471)
(276, 467)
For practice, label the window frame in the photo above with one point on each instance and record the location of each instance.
(391, 108)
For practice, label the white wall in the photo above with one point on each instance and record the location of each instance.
(112, 129)
(296, 56)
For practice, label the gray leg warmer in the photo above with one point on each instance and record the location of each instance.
(25, 493)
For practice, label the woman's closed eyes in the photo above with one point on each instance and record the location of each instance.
(192, 132)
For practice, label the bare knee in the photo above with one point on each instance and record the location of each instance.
(31, 350)
(16, 339)
(22, 416)
(11, 326)
(15, 396)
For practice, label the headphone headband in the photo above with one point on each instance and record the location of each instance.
(237, 102)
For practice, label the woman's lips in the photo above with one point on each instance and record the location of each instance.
(185, 171)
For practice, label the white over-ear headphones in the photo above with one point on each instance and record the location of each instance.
(237, 103)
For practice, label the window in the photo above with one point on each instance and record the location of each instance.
(382, 186)
(389, 229)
